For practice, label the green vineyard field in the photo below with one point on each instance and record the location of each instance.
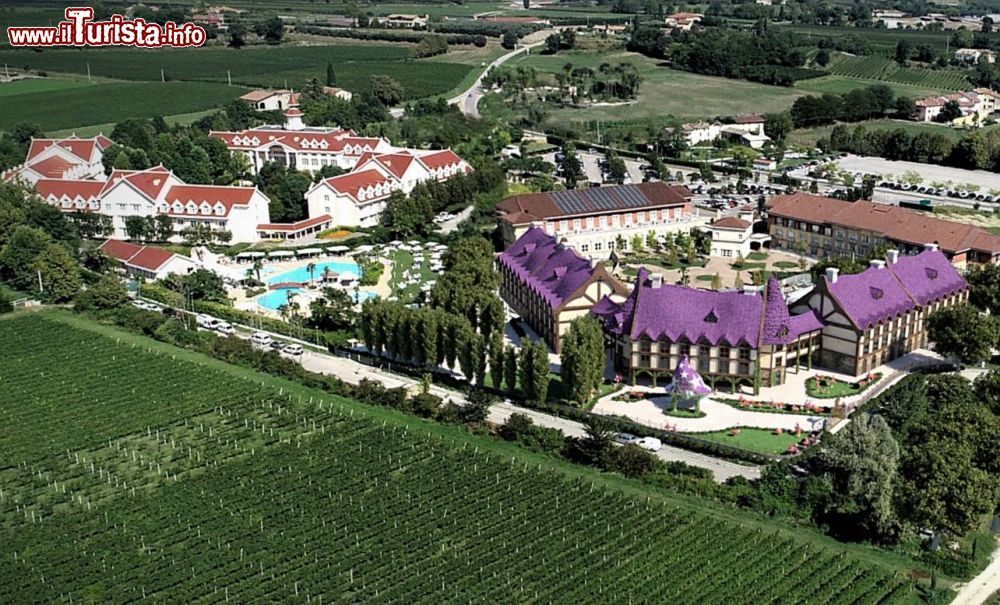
(881, 68)
(130, 470)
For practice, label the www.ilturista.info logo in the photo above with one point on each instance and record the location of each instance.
(80, 29)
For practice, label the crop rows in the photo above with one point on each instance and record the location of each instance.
(875, 67)
(266, 497)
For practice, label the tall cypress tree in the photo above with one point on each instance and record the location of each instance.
(331, 77)
(510, 368)
(540, 373)
(496, 360)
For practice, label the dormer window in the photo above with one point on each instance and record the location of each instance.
(931, 273)
(559, 272)
(711, 317)
(783, 331)
(876, 293)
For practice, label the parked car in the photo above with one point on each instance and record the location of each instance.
(294, 350)
(224, 327)
(261, 339)
(649, 443)
(207, 321)
(625, 438)
(277, 345)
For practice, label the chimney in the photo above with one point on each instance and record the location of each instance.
(931, 246)
(831, 274)
(656, 280)
(891, 256)
(876, 263)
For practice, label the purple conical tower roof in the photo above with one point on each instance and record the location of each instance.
(687, 380)
(775, 314)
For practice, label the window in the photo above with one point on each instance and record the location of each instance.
(590, 222)
(603, 222)
(727, 253)
(598, 246)
(576, 224)
(724, 352)
(585, 248)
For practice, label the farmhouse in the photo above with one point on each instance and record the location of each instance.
(299, 146)
(599, 220)
(733, 337)
(268, 100)
(68, 158)
(682, 21)
(147, 261)
(973, 55)
(747, 130)
(821, 227)
(876, 316)
(549, 285)
(974, 105)
(404, 21)
(358, 198)
(339, 93)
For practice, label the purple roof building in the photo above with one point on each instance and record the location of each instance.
(873, 317)
(548, 284)
(738, 337)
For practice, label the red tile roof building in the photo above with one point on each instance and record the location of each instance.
(358, 198)
(821, 227)
(146, 261)
(68, 158)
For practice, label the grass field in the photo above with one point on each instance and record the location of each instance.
(666, 92)
(214, 483)
(182, 119)
(755, 440)
(809, 136)
(256, 66)
(883, 40)
(21, 87)
(106, 103)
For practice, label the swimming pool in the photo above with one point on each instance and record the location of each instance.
(301, 275)
(275, 298)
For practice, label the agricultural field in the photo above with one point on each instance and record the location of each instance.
(883, 40)
(885, 69)
(252, 66)
(107, 103)
(839, 85)
(32, 85)
(214, 483)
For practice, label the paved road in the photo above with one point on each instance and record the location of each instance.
(468, 101)
(979, 589)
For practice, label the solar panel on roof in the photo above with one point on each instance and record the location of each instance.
(632, 196)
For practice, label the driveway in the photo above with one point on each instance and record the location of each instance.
(468, 100)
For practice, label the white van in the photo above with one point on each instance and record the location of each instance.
(649, 443)
(223, 327)
(261, 339)
(208, 322)
(293, 350)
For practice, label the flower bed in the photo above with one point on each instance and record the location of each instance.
(776, 407)
(828, 387)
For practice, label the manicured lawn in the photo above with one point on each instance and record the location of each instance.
(748, 266)
(401, 262)
(786, 264)
(838, 388)
(665, 91)
(764, 441)
(757, 256)
(106, 103)
(20, 87)
(705, 277)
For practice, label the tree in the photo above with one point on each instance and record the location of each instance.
(496, 357)
(631, 461)
(163, 227)
(617, 168)
(572, 169)
(509, 40)
(272, 30)
(778, 125)
(333, 311)
(331, 76)
(861, 463)
(387, 90)
(200, 284)
(510, 368)
(716, 281)
(17, 258)
(582, 359)
(988, 390)
(540, 372)
(984, 287)
(950, 112)
(405, 216)
(237, 35)
(822, 57)
(595, 446)
(107, 292)
(903, 50)
(961, 331)
(58, 272)
(139, 227)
